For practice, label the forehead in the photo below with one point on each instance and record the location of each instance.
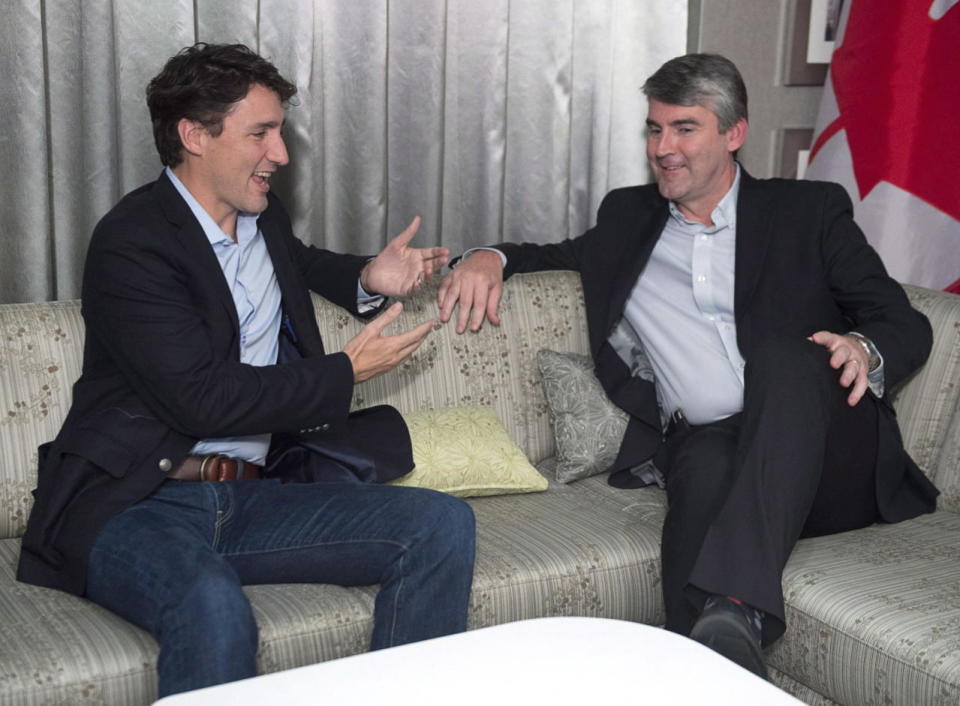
(667, 114)
(260, 105)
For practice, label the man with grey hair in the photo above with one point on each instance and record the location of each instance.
(774, 336)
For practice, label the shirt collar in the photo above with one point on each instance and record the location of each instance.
(246, 222)
(724, 214)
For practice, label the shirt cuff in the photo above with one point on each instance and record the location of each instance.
(367, 302)
(468, 253)
(875, 376)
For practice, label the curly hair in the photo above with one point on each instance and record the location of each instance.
(202, 83)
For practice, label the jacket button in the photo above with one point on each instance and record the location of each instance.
(324, 427)
(165, 465)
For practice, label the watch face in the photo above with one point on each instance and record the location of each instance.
(873, 360)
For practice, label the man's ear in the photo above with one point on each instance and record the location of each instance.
(193, 136)
(737, 135)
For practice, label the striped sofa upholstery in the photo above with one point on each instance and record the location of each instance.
(874, 615)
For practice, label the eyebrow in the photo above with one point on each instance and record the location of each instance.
(675, 123)
(268, 124)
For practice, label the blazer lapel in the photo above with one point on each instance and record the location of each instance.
(754, 223)
(197, 247)
(296, 302)
(640, 235)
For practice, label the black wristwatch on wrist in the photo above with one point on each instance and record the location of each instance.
(873, 356)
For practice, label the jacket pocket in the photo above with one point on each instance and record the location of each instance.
(114, 439)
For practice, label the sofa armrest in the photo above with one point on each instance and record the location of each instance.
(928, 405)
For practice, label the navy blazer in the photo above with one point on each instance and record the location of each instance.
(802, 265)
(161, 370)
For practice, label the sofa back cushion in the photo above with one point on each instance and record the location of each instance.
(41, 347)
(495, 367)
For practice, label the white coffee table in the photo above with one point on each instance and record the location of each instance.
(543, 661)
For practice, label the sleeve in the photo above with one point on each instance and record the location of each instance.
(874, 304)
(565, 255)
(334, 276)
(150, 309)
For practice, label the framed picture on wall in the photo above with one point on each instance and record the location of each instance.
(795, 144)
(813, 33)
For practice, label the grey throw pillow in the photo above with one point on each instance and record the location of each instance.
(587, 426)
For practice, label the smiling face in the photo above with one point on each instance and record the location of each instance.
(230, 172)
(691, 159)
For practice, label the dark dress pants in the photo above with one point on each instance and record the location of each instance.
(798, 461)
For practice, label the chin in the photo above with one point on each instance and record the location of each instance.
(668, 193)
(257, 205)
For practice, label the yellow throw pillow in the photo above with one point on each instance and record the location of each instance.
(465, 451)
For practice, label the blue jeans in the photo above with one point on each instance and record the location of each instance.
(174, 563)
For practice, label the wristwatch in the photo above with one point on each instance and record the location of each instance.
(873, 355)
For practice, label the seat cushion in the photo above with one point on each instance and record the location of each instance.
(579, 549)
(582, 549)
(874, 615)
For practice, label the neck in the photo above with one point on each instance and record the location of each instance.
(701, 210)
(698, 213)
(224, 216)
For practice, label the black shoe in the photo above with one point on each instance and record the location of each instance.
(726, 628)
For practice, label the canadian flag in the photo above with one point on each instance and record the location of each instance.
(889, 131)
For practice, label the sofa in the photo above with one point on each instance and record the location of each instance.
(873, 615)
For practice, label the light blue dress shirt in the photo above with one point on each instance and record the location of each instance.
(249, 272)
(682, 309)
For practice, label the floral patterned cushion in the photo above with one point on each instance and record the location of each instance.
(41, 349)
(873, 616)
(587, 426)
(928, 406)
(466, 452)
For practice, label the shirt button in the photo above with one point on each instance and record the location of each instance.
(704, 237)
(702, 278)
(165, 465)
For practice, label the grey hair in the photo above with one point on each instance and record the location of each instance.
(707, 80)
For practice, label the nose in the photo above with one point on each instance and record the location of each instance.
(278, 151)
(663, 144)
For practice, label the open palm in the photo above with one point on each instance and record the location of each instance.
(399, 269)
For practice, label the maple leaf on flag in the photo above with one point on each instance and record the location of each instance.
(896, 78)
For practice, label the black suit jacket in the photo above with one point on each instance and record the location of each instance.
(802, 265)
(161, 371)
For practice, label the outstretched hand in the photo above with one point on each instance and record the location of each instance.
(371, 353)
(477, 284)
(399, 269)
(847, 353)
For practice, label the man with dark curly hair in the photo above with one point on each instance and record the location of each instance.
(210, 442)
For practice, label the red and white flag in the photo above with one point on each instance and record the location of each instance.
(889, 131)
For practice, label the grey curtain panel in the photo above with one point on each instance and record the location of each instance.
(492, 119)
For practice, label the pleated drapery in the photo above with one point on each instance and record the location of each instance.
(492, 119)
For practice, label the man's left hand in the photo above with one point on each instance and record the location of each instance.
(847, 353)
(399, 269)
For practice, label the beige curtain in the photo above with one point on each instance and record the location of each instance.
(492, 119)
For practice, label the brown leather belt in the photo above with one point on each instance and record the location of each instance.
(215, 467)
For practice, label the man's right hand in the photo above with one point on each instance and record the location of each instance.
(372, 353)
(477, 283)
